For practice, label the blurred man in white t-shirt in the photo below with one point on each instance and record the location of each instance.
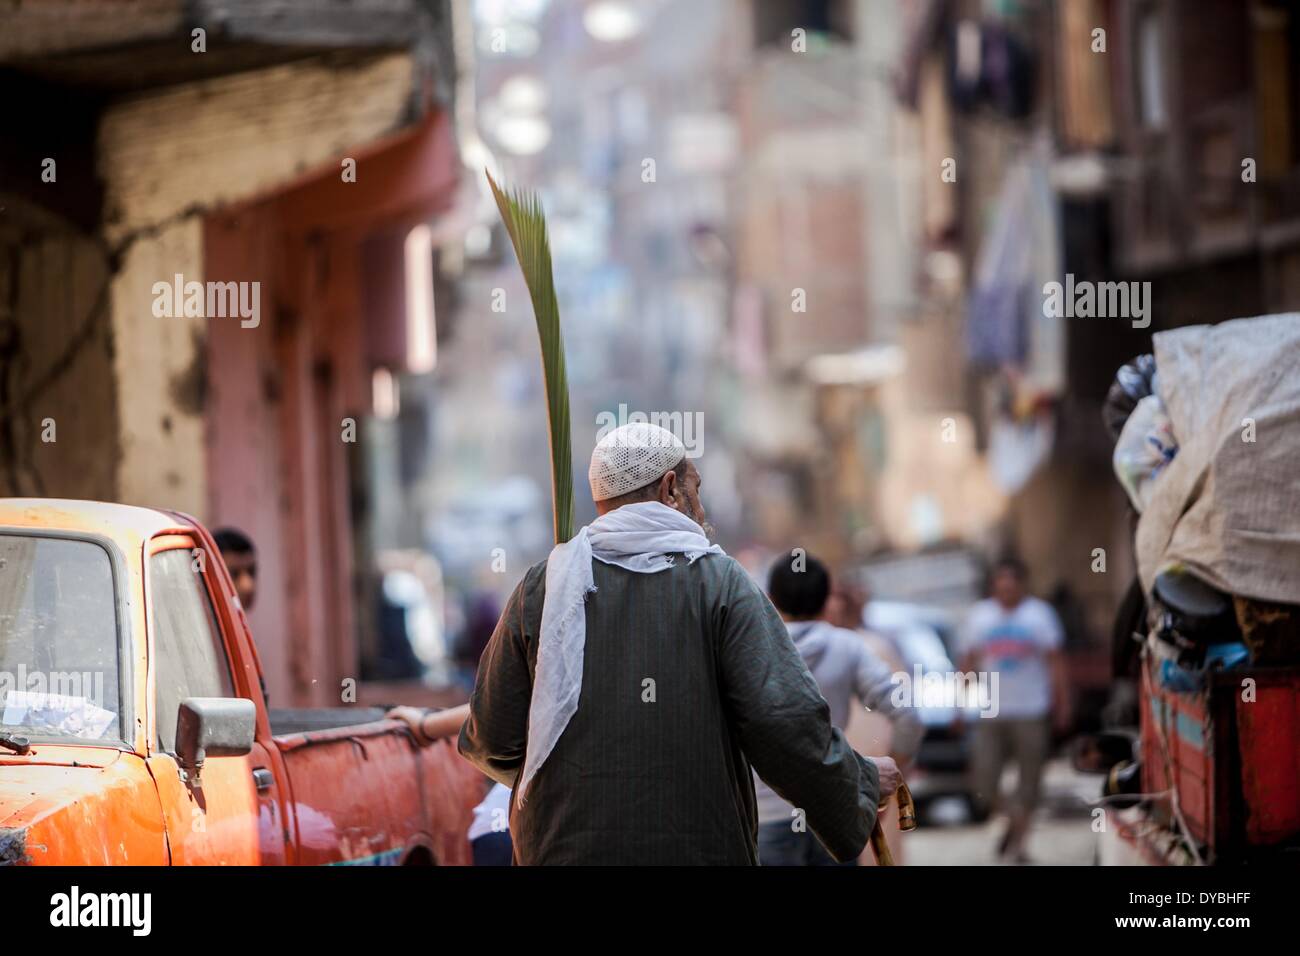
(1019, 638)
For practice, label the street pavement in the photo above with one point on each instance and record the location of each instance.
(1062, 832)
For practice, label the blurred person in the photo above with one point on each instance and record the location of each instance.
(846, 608)
(395, 601)
(240, 556)
(483, 609)
(845, 603)
(845, 669)
(637, 679)
(868, 731)
(1019, 638)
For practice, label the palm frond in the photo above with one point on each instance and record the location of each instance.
(526, 223)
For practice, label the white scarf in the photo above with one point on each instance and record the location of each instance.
(641, 537)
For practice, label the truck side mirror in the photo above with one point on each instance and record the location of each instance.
(213, 727)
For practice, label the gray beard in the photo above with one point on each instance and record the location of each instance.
(690, 513)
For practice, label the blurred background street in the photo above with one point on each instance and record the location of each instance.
(818, 232)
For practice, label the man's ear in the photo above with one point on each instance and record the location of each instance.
(667, 485)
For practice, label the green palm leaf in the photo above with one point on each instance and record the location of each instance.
(526, 223)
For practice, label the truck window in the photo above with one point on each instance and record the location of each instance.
(58, 639)
(187, 640)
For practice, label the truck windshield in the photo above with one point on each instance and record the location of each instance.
(58, 639)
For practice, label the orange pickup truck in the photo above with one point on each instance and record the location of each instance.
(133, 728)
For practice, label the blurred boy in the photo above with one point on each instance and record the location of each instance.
(240, 556)
(844, 669)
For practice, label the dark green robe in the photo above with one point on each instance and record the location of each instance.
(689, 679)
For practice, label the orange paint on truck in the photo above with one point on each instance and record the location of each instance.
(361, 792)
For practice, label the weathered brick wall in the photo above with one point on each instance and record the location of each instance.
(169, 158)
(159, 368)
(58, 417)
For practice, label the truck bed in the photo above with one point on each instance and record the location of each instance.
(364, 792)
(285, 721)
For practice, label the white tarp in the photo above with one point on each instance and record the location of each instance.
(1229, 507)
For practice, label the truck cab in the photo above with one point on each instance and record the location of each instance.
(134, 730)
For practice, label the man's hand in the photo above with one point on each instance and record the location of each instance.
(413, 717)
(430, 725)
(890, 776)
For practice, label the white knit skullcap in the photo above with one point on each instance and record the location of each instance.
(630, 457)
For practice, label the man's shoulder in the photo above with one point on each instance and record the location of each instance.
(719, 563)
(720, 571)
(729, 573)
(725, 564)
(717, 578)
(532, 586)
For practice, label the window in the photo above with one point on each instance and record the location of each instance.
(191, 660)
(58, 639)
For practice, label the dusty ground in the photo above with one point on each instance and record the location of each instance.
(1062, 833)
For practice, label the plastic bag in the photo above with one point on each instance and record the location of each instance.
(1145, 446)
